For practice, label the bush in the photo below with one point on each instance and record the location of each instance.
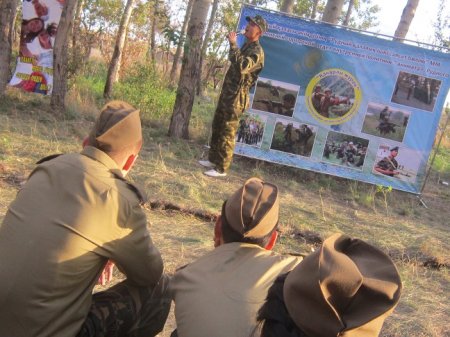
(143, 88)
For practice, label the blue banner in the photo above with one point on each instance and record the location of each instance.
(344, 103)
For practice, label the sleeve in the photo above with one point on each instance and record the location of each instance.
(135, 254)
(245, 63)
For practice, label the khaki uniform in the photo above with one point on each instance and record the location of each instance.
(75, 212)
(246, 64)
(220, 293)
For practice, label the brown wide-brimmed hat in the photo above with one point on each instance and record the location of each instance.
(346, 288)
(117, 127)
(253, 209)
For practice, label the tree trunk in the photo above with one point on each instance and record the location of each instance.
(314, 9)
(201, 84)
(406, 19)
(76, 26)
(60, 56)
(114, 65)
(176, 58)
(179, 123)
(349, 12)
(333, 11)
(8, 9)
(287, 6)
(153, 32)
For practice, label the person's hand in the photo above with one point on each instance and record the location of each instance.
(107, 274)
(232, 36)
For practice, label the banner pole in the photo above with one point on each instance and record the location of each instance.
(447, 112)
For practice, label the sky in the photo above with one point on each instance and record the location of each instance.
(421, 28)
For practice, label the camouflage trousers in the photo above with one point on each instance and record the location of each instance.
(127, 310)
(223, 138)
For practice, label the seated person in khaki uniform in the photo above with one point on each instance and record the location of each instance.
(76, 212)
(220, 293)
(345, 288)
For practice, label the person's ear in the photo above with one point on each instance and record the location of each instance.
(85, 142)
(218, 232)
(129, 163)
(272, 241)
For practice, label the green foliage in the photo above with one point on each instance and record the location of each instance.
(364, 14)
(143, 87)
(91, 81)
(442, 160)
(441, 26)
(385, 191)
(304, 8)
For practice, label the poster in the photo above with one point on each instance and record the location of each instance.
(34, 69)
(344, 103)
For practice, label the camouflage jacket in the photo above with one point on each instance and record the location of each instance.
(246, 64)
(388, 164)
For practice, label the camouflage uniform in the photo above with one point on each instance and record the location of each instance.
(388, 164)
(126, 309)
(246, 64)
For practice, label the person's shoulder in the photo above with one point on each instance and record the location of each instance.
(48, 158)
(135, 191)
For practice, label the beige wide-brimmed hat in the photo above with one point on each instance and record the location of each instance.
(117, 127)
(253, 209)
(346, 288)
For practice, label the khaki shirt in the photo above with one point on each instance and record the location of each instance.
(220, 294)
(74, 213)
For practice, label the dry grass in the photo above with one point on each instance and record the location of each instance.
(320, 204)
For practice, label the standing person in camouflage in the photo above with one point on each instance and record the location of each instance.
(246, 64)
(388, 165)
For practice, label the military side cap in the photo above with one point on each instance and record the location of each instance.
(253, 209)
(118, 126)
(395, 148)
(259, 21)
(346, 288)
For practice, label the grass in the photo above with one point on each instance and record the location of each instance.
(312, 204)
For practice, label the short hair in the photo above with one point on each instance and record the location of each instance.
(230, 235)
(273, 318)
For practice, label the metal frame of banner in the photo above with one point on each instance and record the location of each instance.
(387, 37)
(446, 110)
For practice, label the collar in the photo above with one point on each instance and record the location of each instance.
(102, 157)
(248, 44)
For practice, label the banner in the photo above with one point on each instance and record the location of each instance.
(34, 70)
(343, 103)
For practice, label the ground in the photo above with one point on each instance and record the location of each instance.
(413, 231)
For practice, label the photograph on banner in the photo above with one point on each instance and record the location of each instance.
(416, 91)
(386, 121)
(34, 70)
(345, 150)
(275, 97)
(333, 96)
(251, 129)
(293, 137)
(398, 162)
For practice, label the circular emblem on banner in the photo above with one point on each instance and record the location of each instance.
(333, 96)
